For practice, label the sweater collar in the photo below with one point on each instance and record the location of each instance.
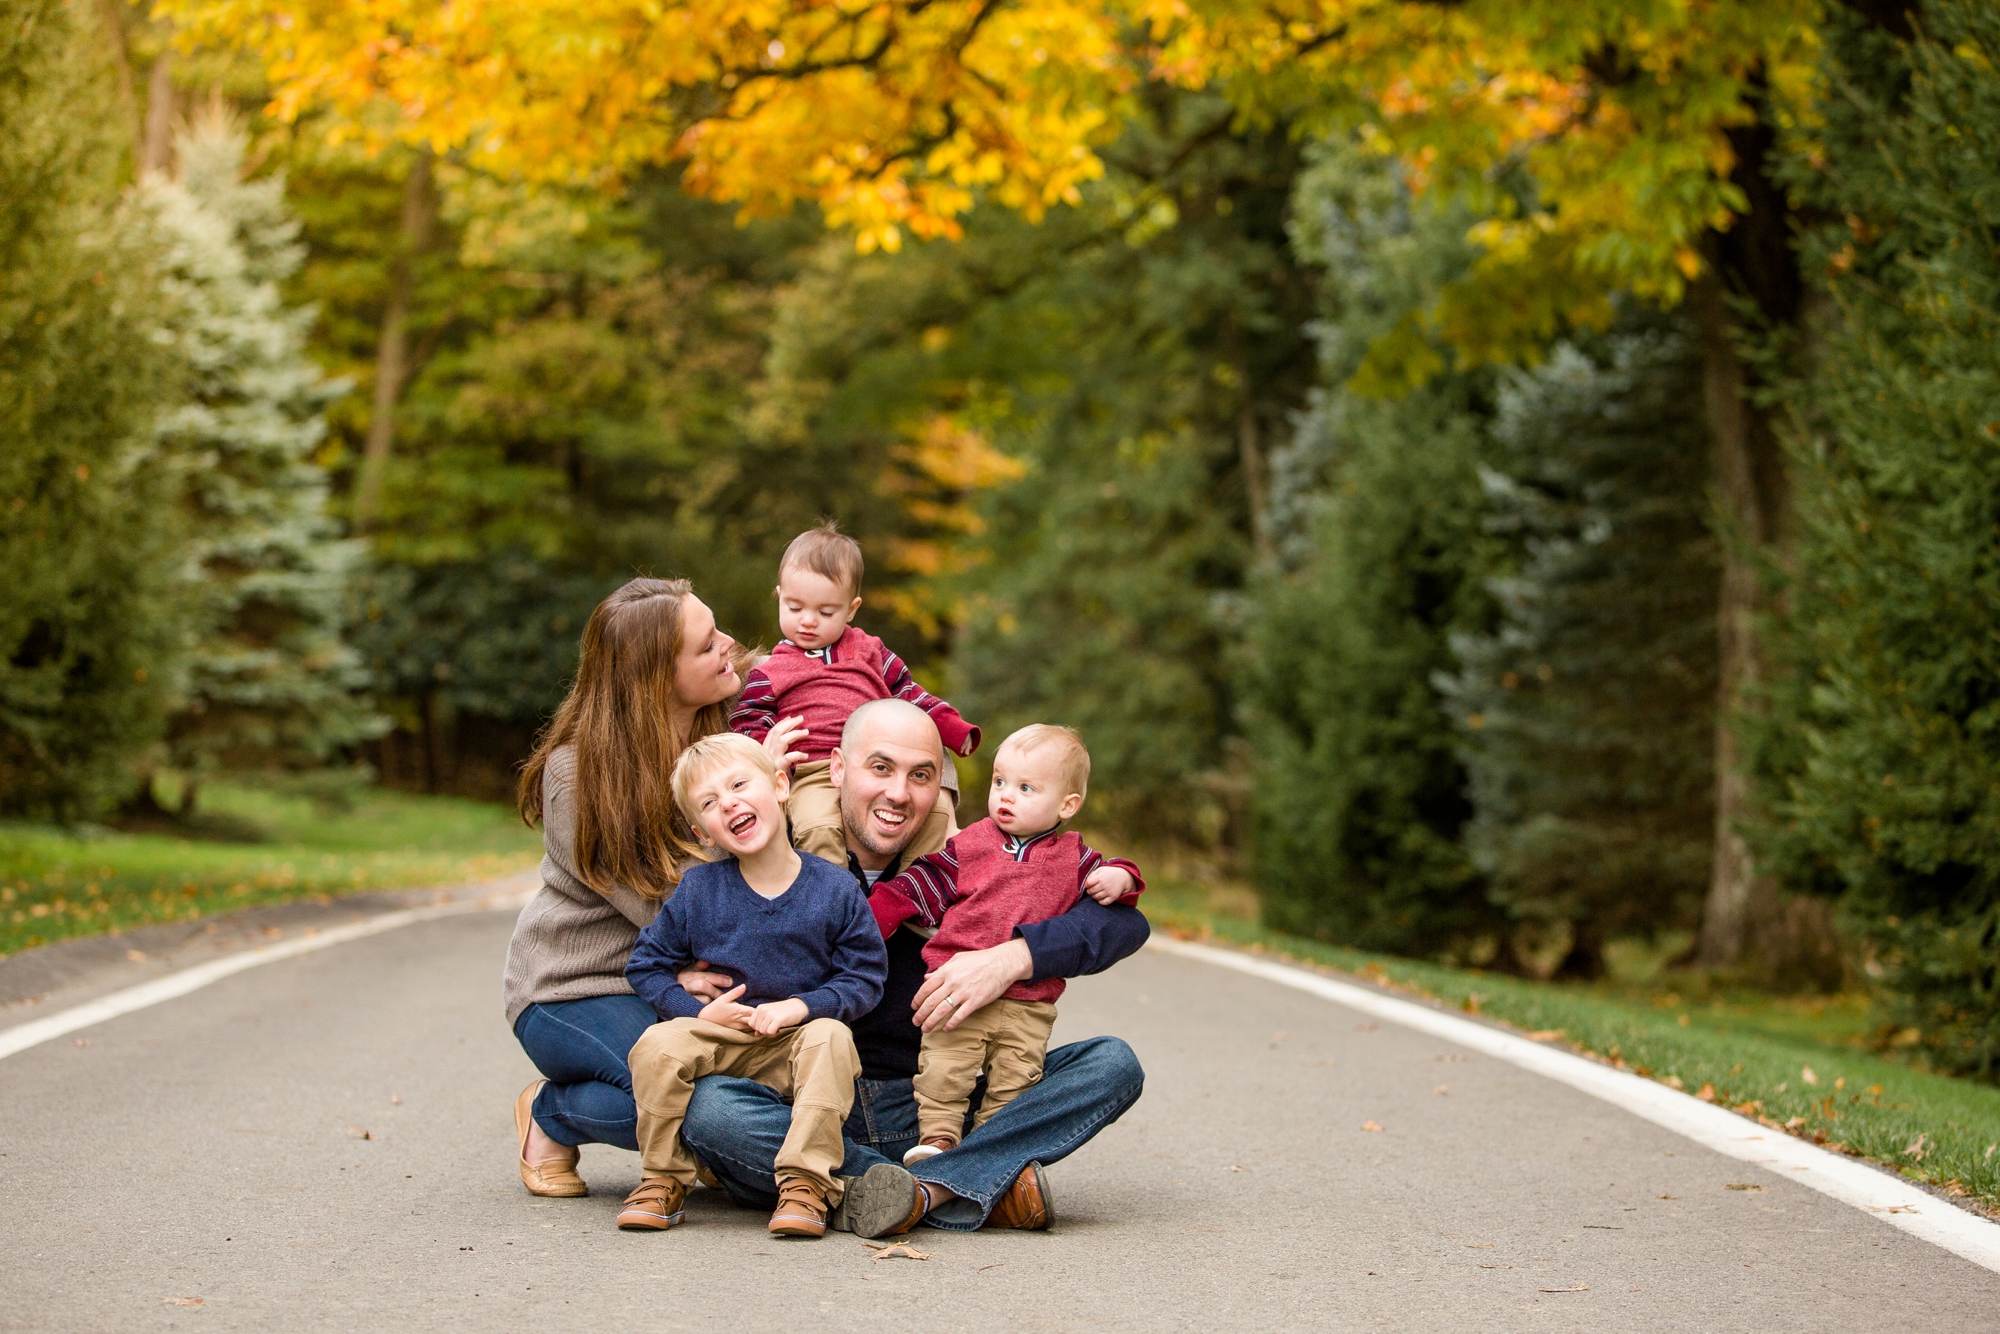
(1017, 848)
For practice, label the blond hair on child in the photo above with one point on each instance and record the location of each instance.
(826, 551)
(1073, 760)
(705, 756)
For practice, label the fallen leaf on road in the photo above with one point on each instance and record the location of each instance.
(79, 1042)
(396, 1100)
(1232, 1168)
(1366, 1028)
(997, 1264)
(1670, 1197)
(136, 956)
(1496, 1266)
(272, 933)
(183, 1301)
(1745, 1185)
(358, 1133)
(1478, 1245)
(1440, 1090)
(1369, 1125)
(899, 1251)
(1581, 1287)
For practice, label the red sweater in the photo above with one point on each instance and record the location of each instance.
(984, 885)
(826, 685)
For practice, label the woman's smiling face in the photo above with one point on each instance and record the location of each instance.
(703, 673)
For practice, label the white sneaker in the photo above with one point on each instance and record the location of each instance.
(928, 1149)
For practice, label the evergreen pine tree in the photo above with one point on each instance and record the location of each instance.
(1880, 763)
(90, 617)
(1360, 797)
(270, 680)
(1587, 715)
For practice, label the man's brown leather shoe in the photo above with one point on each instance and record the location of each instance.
(555, 1177)
(801, 1210)
(884, 1201)
(1026, 1203)
(654, 1207)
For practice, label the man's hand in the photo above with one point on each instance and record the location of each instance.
(772, 1017)
(967, 982)
(778, 742)
(697, 981)
(1107, 884)
(725, 1011)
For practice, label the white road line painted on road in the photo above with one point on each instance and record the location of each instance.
(35, 1032)
(1888, 1198)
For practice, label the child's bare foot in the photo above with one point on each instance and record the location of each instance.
(930, 1148)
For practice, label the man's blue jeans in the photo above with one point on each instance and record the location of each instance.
(736, 1125)
(582, 1047)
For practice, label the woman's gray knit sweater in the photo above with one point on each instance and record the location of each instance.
(571, 941)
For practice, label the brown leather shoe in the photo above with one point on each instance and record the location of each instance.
(552, 1176)
(1026, 1203)
(801, 1210)
(654, 1207)
(884, 1201)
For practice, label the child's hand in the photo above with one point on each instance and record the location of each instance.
(1108, 884)
(725, 1011)
(773, 1016)
(784, 734)
(701, 983)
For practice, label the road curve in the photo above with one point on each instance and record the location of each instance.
(324, 1144)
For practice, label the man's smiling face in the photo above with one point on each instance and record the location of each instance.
(887, 771)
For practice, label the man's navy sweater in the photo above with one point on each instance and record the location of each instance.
(816, 941)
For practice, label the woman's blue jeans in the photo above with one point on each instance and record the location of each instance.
(581, 1047)
(736, 1126)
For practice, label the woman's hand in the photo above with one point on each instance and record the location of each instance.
(1108, 884)
(969, 981)
(778, 742)
(725, 1011)
(700, 983)
(773, 1017)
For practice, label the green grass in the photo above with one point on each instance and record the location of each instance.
(1798, 1064)
(57, 884)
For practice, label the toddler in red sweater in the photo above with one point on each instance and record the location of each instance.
(1015, 867)
(823, 670)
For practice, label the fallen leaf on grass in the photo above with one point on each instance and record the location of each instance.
(1581, 1287)
(1545, 1035)
(1369, 1125)
(1919, 1148)
(1806, 1073)
(1753, 1188)
(1706, 1093)
(183, 1301)
(899, 1251)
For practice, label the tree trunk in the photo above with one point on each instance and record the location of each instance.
(156, 148)
(110, 13)
(392, 357)
(1752, 261)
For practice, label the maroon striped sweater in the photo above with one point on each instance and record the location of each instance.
(825, 685)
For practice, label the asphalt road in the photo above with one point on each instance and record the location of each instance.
(326, 1144)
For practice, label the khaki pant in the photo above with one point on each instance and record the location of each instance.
(1006, 1040)
(816, 828)
(814, 1065)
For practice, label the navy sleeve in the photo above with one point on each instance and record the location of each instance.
(661, 953)
(858, 967)
(1089, 938)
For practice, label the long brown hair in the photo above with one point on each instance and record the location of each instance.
(618, 718)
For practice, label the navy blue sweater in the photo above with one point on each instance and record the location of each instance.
(816, 941)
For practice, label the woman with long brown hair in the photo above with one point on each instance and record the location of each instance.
(655, 674)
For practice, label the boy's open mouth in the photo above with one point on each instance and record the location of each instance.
(742, 824)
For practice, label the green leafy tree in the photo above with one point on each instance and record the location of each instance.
(91, 619)
(1361, 797)
(1587, 713)
(1881, 764)
(271, 682)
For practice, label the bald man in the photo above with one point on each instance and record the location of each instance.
(890, 770)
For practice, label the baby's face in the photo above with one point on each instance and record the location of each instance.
(1027, 796)
(738, 807)
(813, 610)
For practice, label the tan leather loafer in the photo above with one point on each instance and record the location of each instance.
(801, 1210)
(654, 1207)
(554, 1177)
(1026, 1203)
(884, 1201)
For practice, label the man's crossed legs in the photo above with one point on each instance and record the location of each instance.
(737, 1126)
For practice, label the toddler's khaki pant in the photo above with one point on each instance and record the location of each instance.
(815, 814)
(814, 1065)
(1006, 1040)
